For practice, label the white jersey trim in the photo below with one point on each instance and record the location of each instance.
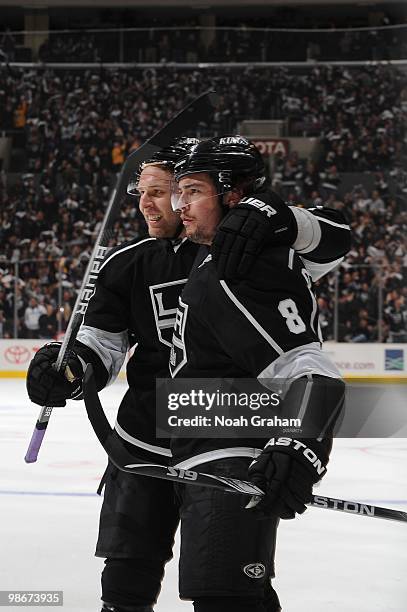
(250, 318)
(221, 453)
(126, 248)
(159, 450)
(177, 246)
(334, 223)
(317, 270)
(300, 361)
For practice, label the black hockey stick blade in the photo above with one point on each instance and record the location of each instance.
(126, 461)
(200, 109)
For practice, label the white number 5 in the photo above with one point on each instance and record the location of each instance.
(288, 308)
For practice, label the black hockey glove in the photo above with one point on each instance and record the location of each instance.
(286, 471)
(45, 385)
(259, 220)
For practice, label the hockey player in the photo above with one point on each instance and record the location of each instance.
(134, 304)
(264, 326)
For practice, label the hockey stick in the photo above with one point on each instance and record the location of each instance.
(200, 108)
(126, 461)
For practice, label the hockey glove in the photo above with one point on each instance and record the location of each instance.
(286, 471)
(257, 221)
(45, 385)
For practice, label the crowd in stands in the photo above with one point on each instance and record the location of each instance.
(190, 44)
(358, 113)
(70, 48)
(273, 39)
(371, 287)
(77, 127)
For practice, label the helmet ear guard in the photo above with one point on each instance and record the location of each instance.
(225, 181)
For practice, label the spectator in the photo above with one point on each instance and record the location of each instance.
(48, 323)
(3, 325)
(32, 316)
(20, 114)
(396, 317)
(8, 46)
(376, 204)
(362, 332)
(76, 119)
(118, 156)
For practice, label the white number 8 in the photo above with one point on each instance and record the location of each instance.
(288, 308)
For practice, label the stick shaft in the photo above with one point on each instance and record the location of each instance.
(198, 110)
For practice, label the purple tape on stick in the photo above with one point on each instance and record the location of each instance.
(34, 447)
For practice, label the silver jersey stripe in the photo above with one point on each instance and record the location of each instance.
(250, 318)
(305, 397)
(300, 361)
(159, 450)
(314, 310)
(291, 258)
(111, 347)
(126, 248)
(220, 453)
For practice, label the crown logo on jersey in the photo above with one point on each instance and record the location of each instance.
(164, 299)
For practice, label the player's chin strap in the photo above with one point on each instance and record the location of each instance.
(224, 207)
(176, 239)
(178, 231)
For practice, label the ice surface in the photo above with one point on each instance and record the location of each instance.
(326, 561)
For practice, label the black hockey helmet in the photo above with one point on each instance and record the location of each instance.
(167, 158)
(229, 160)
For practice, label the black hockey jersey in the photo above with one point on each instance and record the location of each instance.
(265, 326)
(135, 304)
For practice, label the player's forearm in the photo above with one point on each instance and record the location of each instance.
(317, 401)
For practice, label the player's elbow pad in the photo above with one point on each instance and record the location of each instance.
(323, 234)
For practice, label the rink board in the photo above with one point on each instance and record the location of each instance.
(377, 362)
